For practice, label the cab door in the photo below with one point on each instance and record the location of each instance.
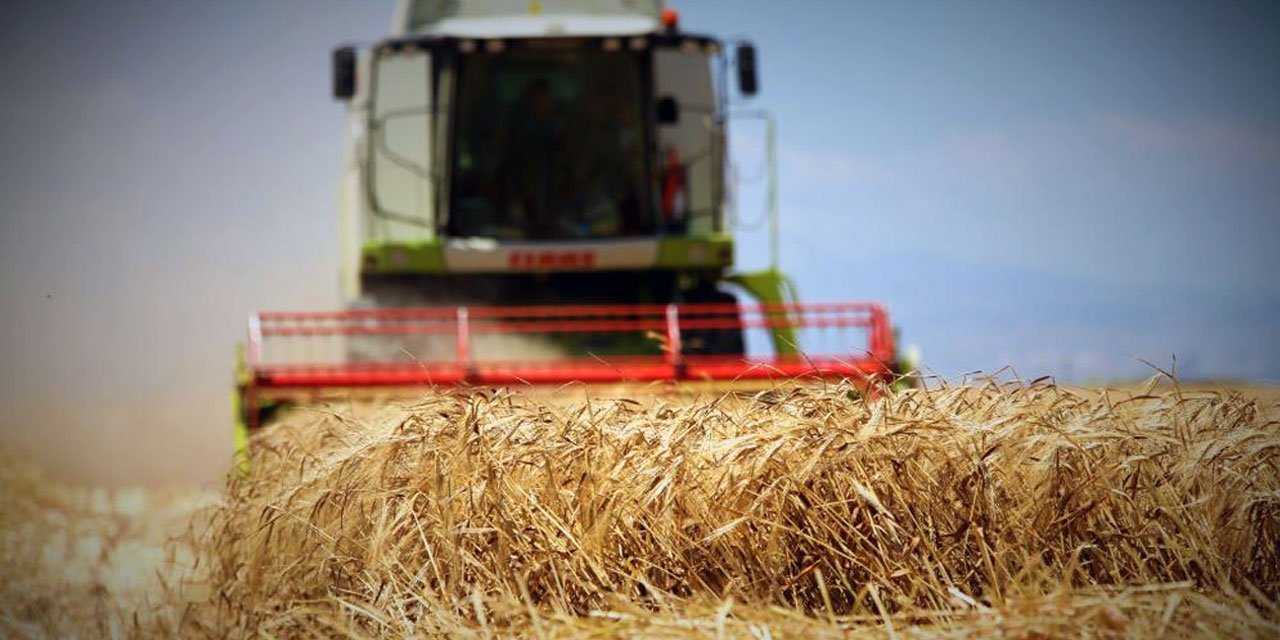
(690, 162)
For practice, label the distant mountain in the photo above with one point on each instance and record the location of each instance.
(970, 315)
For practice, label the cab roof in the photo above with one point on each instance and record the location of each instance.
(526, 19)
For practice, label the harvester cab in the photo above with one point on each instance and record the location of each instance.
(573, 153)
(539, 196)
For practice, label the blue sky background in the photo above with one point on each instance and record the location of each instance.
(1064, 187)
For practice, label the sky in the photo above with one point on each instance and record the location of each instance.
(1066, 188)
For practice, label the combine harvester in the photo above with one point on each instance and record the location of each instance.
(539, 197)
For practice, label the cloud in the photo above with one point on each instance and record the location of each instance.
(832, 167)
(816, 166)
(1220, 140)
(1032, 158)
(973, 156)
(1104, 196)
(978, 154)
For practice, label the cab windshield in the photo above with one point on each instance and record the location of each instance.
(549, 145)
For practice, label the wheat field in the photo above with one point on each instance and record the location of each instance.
(1015, 509)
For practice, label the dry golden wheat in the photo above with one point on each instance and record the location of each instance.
(1025, 509)
(89, 562)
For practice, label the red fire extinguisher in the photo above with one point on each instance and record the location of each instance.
(674, 200)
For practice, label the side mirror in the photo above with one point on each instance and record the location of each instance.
(668, 110)
(748, 83)
(344, 73)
